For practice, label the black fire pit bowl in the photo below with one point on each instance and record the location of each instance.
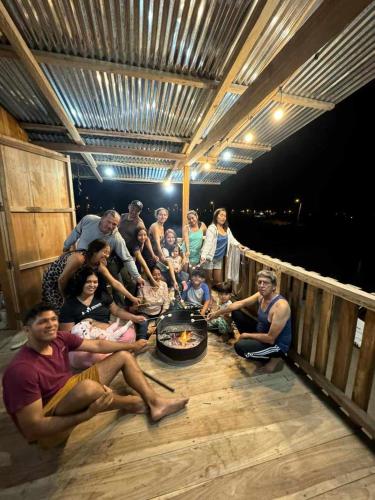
(180, 321)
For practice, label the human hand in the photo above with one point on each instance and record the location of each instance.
(154, 284)
(140, 281)
(138, 319)
(101, 404)
(212, 315)
(155, 258)
(139, 345)
(136, 301)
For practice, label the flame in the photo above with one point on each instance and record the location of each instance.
(184, 337)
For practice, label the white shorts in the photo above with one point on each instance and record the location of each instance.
(213, 264)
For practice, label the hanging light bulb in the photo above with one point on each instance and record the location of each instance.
(279, 111)
(278, 114)
(194, 175)
(227, 155)
(249, 137)
(206, 166)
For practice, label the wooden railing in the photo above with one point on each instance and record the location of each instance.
(324, 317)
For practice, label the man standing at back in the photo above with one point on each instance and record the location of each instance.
(93, 227)
(129, 224)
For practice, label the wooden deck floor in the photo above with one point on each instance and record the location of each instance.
(240, 437)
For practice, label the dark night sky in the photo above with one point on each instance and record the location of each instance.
(328, 164)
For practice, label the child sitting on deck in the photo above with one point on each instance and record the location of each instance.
(197, 291)
(222, 325)
(154, 299)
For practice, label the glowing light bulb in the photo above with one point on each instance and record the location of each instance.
(278, 114)
(109, 171)
(249, 137)
(227, 155)
(206, 166)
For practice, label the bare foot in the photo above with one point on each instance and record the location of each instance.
(131, 404)
(274, 365)
(163, 407)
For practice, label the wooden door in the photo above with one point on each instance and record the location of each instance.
(37, 213)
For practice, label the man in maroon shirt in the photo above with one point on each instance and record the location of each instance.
(45, 399)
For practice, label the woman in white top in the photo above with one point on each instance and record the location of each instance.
(219, 239)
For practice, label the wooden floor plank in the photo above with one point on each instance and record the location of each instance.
(236, 423)
(362, 489)
(296, 476)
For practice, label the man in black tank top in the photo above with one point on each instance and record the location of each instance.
(272, 332)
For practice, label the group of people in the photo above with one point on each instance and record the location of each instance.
(141, 267)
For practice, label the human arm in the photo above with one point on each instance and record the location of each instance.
(139, 257)
(74, 235)
(108, 346)
(185, 236)
(74, 262)
(166, 298)
(209, 245)
(126, 315)
(35, 425)
(156, 237)
(235, 306)
(151, 250)
(117, 285)
(206, 299)
(121, 250)
(232, 241)
(280, 313)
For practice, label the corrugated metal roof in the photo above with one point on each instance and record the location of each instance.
(183, 37)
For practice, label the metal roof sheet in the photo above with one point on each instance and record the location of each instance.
(183, 37)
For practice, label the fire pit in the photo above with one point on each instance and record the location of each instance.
(181, 337)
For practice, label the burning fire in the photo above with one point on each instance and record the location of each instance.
(184, 337)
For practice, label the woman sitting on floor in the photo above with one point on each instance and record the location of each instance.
(88, 299)
(59, 273)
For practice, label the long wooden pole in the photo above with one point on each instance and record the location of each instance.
(185, 194)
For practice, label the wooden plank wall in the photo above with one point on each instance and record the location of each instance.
(37, 196)
(324, 318)
(10, 127)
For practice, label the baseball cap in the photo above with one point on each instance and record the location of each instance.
(137, 203)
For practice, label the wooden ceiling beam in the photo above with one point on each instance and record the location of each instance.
(250, 33)
(327, 22)
(103, 133)
(305, 102)
(63, 147)
(63, 60)
(249, 146)
(253, 28)
(9, 29)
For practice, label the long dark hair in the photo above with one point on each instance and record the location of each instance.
(95, 246)
(216, 213)
(77, 282)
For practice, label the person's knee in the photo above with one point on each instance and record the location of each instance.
(239, 348)
(89, 388)
(124, 356)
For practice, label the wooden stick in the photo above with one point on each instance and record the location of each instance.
(158, 381)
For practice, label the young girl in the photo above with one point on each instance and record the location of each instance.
(223, 324)
(177, 263)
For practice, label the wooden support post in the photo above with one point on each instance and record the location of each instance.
(185, 194)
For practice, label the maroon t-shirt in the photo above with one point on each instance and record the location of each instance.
(31, 376)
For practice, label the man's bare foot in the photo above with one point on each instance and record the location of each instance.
(274, 365)
(133, 404)
(163, 407)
